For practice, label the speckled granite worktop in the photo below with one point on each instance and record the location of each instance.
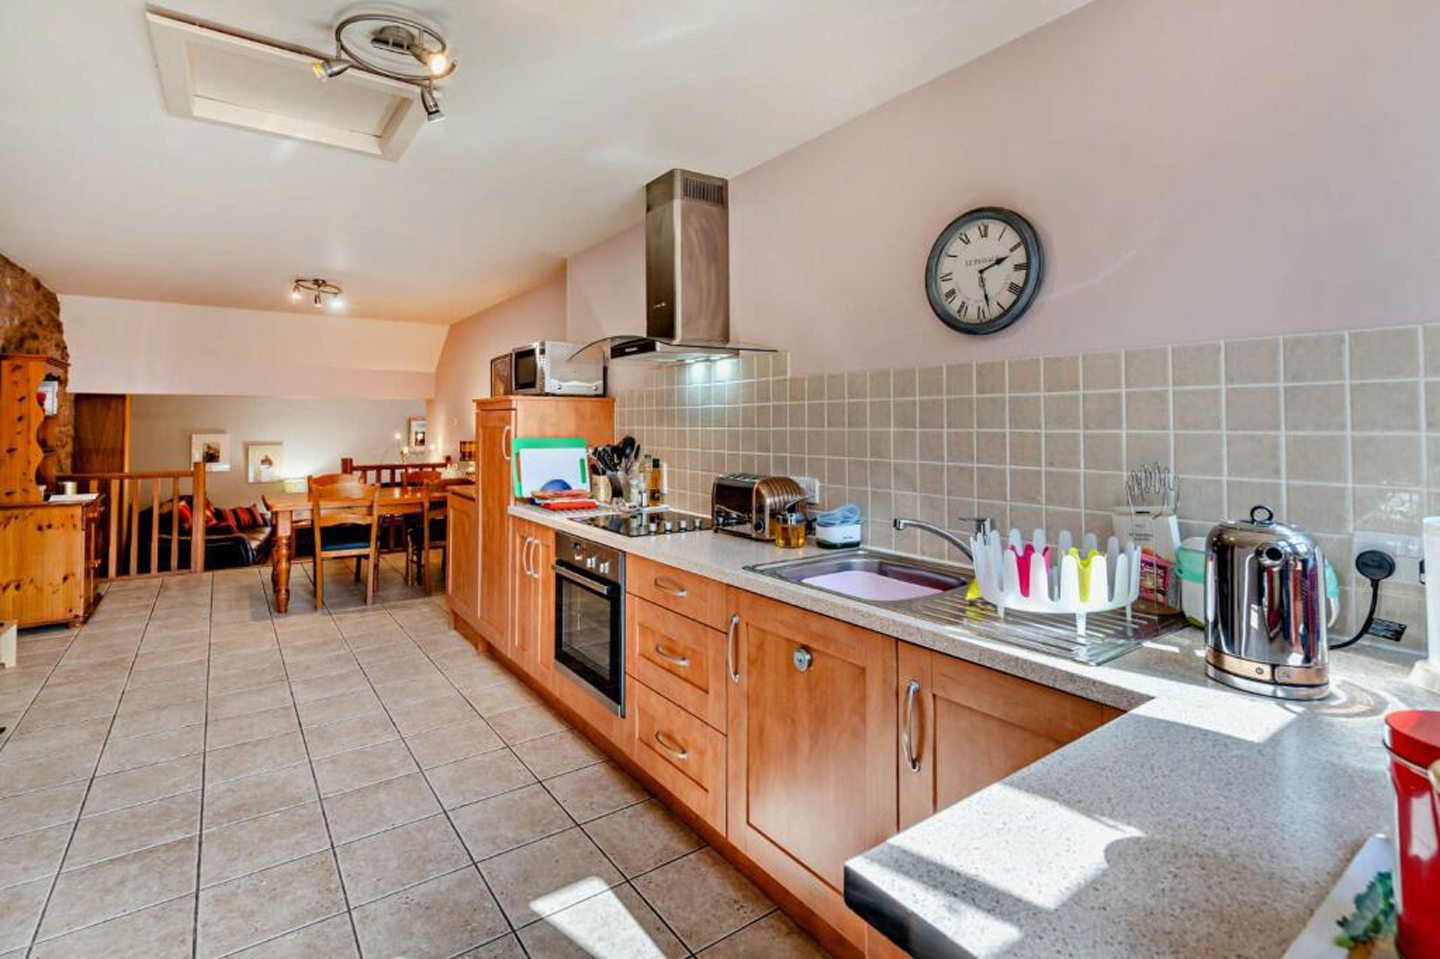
(1204, 822)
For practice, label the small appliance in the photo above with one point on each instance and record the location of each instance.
(590, 617)
(1412, 737)
(747, 504)
(545, 368)
(648, 522)
(1265, 599)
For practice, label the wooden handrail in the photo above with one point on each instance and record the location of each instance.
(153, 474)
(120, 517)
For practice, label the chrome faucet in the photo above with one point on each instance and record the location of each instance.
(980, 526)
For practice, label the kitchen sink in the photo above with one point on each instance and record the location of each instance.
(935, 592)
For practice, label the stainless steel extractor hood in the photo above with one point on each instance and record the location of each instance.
(687, 274)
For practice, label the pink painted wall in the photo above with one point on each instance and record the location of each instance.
(1195, 170)
(463, 372)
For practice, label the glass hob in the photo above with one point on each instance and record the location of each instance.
(651, 523)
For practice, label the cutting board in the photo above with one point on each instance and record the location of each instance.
(1315, 940)
(548, 461)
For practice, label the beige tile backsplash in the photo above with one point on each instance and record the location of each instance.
(1337, 432)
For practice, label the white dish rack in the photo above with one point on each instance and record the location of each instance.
(1039, 577)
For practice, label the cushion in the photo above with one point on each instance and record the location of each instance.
(345, 536)
(185, 517)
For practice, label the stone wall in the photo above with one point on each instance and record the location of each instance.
(30, 323)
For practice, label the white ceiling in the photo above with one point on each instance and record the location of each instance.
(559, 113)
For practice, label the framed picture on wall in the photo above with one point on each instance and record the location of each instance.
(417, 432)
(212, 449)
(264, 462)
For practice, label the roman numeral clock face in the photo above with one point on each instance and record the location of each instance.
(984, 270)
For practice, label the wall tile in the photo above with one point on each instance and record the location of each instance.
(1317, 457)
(990, 377)
(930, 381)
(1025, 412)
(1062, 450)
(1026, 486)
(1147, 409)
(1385, 354)
(1242, 494)
(1393, 406)
(1062, 489)
(991, 447)
(1061, 374)
(1195, 364)
(1101, 371)
(1315, 359)
(1200, 454)
(1432, 349)
(1103, 411)
(1103, 450)
(1253, 455)
(1025, 449)
(1023, 376)
(1315, 408)
(1387, 510)
(991, 412)
(1387, 460)
(1147, 369)
(1198, 409)
(1319, 509)
(1142, 449)
(960, 379)
(1062, 411)
(903, 382)
(1252, 361)
(1252, 408)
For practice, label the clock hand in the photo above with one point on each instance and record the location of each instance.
(995, 264)
(982, 287)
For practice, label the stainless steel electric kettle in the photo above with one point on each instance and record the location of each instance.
(1265, 616)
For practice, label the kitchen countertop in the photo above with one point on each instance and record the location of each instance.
(1203, 822)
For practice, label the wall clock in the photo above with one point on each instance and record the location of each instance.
(984, 270)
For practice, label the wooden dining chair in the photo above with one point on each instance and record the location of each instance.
(351, 515)
(428, 534)
(331, 480)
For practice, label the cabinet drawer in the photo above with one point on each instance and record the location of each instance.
(678, 658)
(685, 755)
(703, 600)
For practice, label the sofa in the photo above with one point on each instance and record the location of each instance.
(226, 546)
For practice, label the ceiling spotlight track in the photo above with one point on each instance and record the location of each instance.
(392, 46)
(321, 292)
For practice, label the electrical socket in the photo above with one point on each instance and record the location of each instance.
(1407, 551)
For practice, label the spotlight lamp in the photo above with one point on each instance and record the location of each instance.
(319, 290)
(431, 105)
(388, 45)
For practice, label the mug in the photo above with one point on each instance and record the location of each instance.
(69, 488)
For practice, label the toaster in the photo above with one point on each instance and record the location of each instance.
(745, 504)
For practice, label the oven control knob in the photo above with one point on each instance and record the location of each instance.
(684, 525)
(604, 567)
(590, 562)
(577, 550)
(654, 527)
(668, 526)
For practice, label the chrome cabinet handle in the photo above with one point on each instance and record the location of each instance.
(667, 585)
(680, 753)
(683, 662)
(730, 648)
(505, 443)
(907, 739)
(534, 555)
(525, 557)
(802, 658)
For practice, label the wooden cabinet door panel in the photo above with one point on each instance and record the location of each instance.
(495, 430)
(543, 645)
(462, 566)
(812, 750)
(677, 590)
(679, 658)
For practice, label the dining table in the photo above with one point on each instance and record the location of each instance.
(286, 509)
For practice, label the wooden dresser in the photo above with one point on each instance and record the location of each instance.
(48, 551)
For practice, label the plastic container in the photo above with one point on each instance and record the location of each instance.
(1412, 737)
(838, 537)
(1190, 562)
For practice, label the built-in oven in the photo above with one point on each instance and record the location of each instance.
(590, 617)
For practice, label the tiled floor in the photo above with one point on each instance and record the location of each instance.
(189, 775)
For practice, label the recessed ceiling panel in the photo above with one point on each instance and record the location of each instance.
(207, 74)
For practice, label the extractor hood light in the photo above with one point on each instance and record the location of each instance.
(431, 105)
(328, 69)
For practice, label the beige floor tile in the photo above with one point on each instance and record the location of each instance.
(257, 795)
(558, 753)
(526, 723)
(385, 862)
(332, 938)
(371, 730)
(123, 754)
(79, 738)
(544, 877)
(245, 847)
(40, 808)
(642, 837)
(66, 712)
(447, 744)
(371, 809)
(165, 931)
(158, 719)
(45, 772)
(332, 709)
(478, 777)
(32, 855)
(363, 767)
(20, 909)
(224, 706)
(426, 714)
(247, 759)
(774, 937)
(506, 947)
(439, 918)
(143, 784)
(616, 922)
(116, 887)
(595, 791)
(503, 695)
(249, 727)
(167, 694)
(702, 897)
(501, 823)
(266, 904)
(125, 830)
(414, 690)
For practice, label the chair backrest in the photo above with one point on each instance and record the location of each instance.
(345, 505)
(420, 477)
(325, 480)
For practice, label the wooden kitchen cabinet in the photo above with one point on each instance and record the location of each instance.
(812, 749)
(964, 727)
(462, 565)
(683, 753)
(679, 658)
(532, 628)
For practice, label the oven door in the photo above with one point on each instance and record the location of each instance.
(525, 372)
(590, 632)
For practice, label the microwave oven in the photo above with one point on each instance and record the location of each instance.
(545, 368)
